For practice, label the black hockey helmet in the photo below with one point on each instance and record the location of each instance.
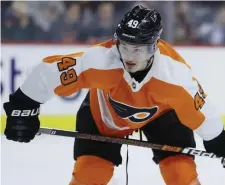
(140, 26)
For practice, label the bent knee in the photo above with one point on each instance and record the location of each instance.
(178, 170)
(92, 170)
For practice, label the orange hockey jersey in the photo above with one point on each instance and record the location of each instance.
(119, 103)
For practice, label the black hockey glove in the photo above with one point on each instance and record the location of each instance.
(217, 146)
(22, 122)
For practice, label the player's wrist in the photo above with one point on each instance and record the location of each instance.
(20, 99)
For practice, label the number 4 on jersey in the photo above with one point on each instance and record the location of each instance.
(199, 101)
(66, 63)
(199, 98)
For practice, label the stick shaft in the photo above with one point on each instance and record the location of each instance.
(74, 134)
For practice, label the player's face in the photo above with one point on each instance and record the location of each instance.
(135, 57)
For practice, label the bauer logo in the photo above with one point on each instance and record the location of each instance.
(133, 114)
(25, 113)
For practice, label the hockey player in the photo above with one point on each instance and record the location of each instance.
(136, 81)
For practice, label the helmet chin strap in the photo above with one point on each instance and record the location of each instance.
(150, 61)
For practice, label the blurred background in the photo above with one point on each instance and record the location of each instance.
(185, 22)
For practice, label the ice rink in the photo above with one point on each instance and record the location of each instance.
(47, 160)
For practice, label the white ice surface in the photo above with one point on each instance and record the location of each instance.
(48, 160)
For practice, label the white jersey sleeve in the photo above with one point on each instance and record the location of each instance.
(181, 75)
(42, 81)
(64, 75)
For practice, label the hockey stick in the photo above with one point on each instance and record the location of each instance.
(188, 150)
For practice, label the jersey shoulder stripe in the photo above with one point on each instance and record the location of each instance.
(107, 44)
(166, 49)
(92, 68)
(55, 58)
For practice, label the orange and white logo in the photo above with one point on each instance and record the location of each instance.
(133, 114)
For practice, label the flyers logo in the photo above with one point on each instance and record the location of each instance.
(133, 114)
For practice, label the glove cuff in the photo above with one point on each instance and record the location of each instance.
(21, 99)
(21, 105)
